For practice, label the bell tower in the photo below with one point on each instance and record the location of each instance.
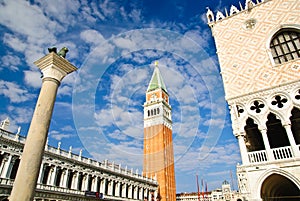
(258, 47)
(158, 143)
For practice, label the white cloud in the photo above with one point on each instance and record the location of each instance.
(14, 92)
(64, 90)
(26, 19)
(126, 154)
(125, 43)
(33, 78)
(61, 11)
(11, 62)
(92, 36)
(226, 154)
(58, 135)
(18, 116)
(14, 42)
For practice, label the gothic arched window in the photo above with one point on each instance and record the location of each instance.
(285, 45)
(295, 120)
(254, 140)
(276, 133)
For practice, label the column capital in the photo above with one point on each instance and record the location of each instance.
(240, 134)
(54, 66)
(286, 124)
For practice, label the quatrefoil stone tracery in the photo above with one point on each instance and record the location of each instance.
(297, 96)
(279, 101)
(257, 106)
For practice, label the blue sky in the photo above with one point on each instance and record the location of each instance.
(114, 44)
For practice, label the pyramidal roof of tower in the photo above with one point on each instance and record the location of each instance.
(156, 81)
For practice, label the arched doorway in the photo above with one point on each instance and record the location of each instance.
(279, 188)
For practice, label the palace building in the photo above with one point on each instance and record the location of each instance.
(258, 47)
(68, 176)
(158, 143)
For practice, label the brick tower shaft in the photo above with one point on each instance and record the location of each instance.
(158, 143)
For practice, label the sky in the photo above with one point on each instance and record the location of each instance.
(114, 44)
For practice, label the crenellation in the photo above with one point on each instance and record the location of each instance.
(249, 4)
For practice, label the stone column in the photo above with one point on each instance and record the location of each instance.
(124, 190)
(85, 182)
(102, 186)
(10, 167)
(267, 144)
(41, 173)
(7, 160)
(243, 149)
(295, 150)
(64, 182)
(75, 181)
(130, 191)
(94, 183)
(110, 187)
(54, 69)
(117, 190)
(135, 192)
(53, 176)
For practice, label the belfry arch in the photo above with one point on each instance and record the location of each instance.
(277, 187)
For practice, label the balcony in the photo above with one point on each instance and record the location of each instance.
(281, 153)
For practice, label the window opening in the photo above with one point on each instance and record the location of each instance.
(277, 135)
(295, 124)
(254, 140)
(285, 46)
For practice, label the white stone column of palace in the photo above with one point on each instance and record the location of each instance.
(270, 155)
(289, 132)
(54, 69)
(243, 148)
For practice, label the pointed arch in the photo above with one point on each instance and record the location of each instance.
(295, 124)
(254, 140)
(276, 133)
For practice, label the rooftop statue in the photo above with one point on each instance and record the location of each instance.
(62, 52)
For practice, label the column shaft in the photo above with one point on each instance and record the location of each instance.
(30, 163)
(289, 132)
(267, 145)
(6, 165)
(243, 149)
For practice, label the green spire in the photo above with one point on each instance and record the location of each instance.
(156, 81)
